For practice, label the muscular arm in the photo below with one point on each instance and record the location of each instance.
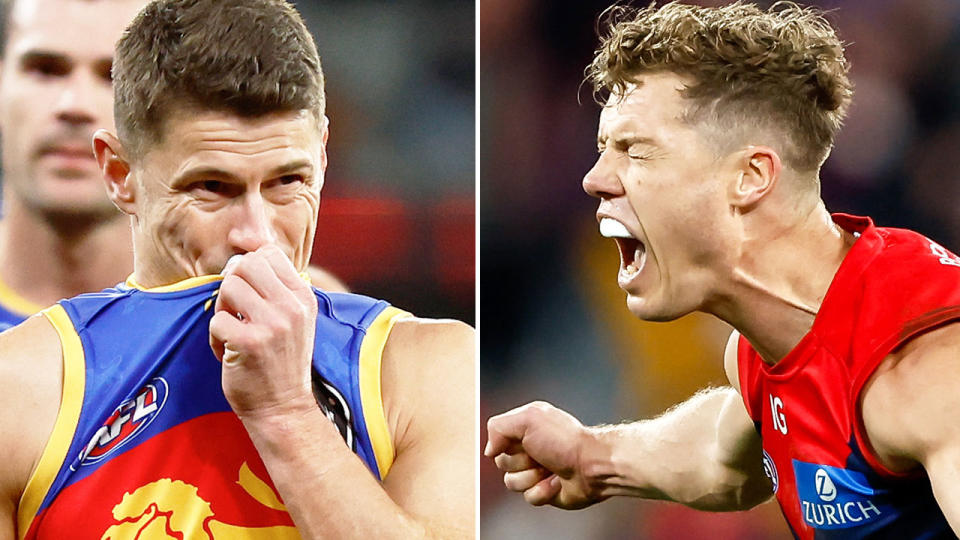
(909, 410)
(704, 453)
(428, 393)
(30, 375)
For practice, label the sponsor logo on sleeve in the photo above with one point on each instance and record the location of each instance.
(770, 469)
(835, 498)
(125, 423)
(333, 404)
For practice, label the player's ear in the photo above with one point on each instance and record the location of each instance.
(324, 137)
(759, 169)
(115, 168)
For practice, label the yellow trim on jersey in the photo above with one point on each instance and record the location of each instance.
(371, 399)
(16, 303)
(55, 453)
(188, 283)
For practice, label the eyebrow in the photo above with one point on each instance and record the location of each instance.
(205, 172)
(42, 55)
(214, 172)
(628, 139)
(294, 166)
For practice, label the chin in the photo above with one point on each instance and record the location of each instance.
(647, 309)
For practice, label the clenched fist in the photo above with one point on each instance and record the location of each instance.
(541, 450)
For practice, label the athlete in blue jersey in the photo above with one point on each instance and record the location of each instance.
(710, 142)
(60, 235)
(212, 400)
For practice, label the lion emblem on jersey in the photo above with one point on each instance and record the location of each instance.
(174, 509)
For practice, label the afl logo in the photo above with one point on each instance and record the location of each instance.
(825, 488)
(126, 422)
(770, 469)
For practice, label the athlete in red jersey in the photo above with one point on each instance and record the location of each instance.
(710, 146)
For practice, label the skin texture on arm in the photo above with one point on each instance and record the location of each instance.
(30, 375)
(909, 410)
(704, 453)
(429, 491)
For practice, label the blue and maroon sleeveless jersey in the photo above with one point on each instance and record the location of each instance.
(145, 444)
(892, 286)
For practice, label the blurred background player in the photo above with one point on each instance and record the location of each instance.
(559, 316)
(60, 236)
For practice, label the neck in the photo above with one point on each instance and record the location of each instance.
(780, 278)
(44, 260)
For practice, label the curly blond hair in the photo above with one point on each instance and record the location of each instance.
(781, 70)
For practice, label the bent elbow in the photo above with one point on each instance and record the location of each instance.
(733, 491)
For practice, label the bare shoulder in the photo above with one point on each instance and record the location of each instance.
(731, 365)
(30, 388)
(907, 403)
(426, 361)
(413, 334)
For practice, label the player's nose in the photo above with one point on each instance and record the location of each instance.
(253, 225)
(601, 180)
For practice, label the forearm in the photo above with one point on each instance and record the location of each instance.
(693, 454)
(327, 490)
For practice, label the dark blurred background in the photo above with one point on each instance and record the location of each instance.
(554, 323)
(397, 217)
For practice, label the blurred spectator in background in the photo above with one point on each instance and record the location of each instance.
(551, 307)
(60, 236)
(405, 190)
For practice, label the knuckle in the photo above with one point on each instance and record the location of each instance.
(533, 496)
(299, 312)
(514, 482)
(540, 407)
(230, 282)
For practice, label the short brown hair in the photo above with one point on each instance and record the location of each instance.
(246, 57)
(781, 69)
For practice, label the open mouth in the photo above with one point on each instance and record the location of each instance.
(632, 251)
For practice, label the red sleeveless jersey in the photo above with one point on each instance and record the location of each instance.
(892, 286)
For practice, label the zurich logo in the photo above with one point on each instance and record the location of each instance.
(837, 498)
(770, 469)
(825, 488)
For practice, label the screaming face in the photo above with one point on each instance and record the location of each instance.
(662, 199)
